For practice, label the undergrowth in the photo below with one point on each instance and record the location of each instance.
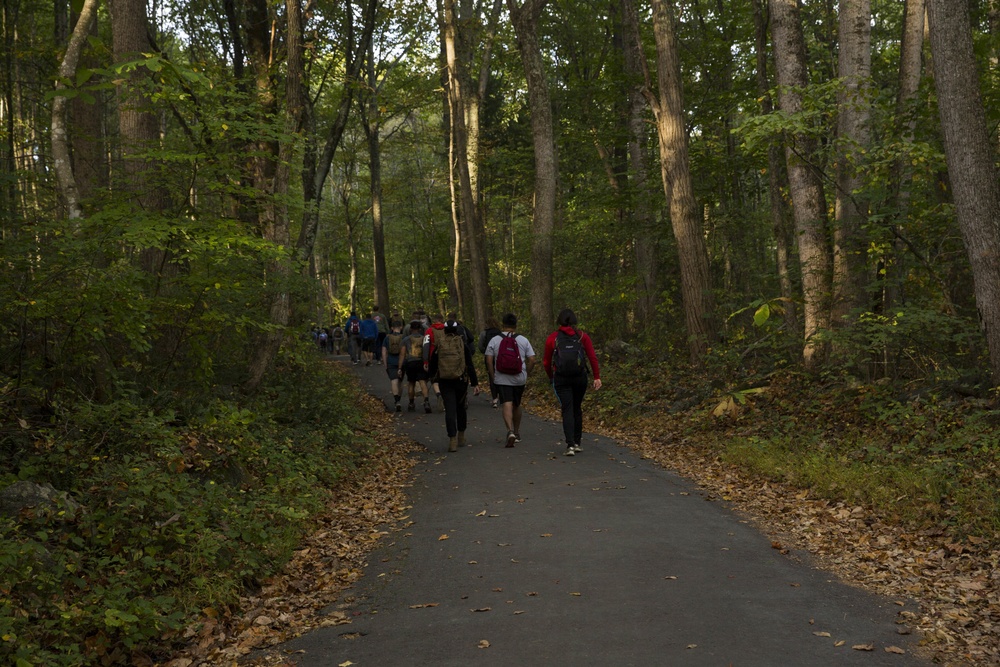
(920, 454)
(167, 513)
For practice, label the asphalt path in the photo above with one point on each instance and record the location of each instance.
(526, 557)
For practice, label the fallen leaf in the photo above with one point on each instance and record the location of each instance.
(472, 562)
(894, 649)
(546, 535)
(346, 663)
(443, 537)
(532, 594)
(483, 643)
(672, 578)
(424, 606)
(498, 590)
(576, 594)
(690, 646)
(864, 647)
(822, 634)
(518, 612)
(482, 609)
(839, 643)
(483, 513)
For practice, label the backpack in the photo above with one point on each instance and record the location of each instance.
(395, 341)
(567, 357)
(486, 337)
(451, 357)
(416, 346)
(355, 327)
(508, 359)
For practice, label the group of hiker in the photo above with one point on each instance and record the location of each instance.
(435, 354)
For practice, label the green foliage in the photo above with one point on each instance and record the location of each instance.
(178, 513)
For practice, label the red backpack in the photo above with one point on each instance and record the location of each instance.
(508, 359)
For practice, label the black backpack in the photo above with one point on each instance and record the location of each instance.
(568, 358)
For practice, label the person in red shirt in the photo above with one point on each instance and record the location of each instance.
(568, 351)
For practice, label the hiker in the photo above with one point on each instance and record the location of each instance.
(567, 353)
(451, 365)
(411, 364)
(382, 326)
(436, 328)
(353, 329)
(322, 339)
(392, 350)
(337, 340)
(491, 331)
(463, 331)
(369, 334)
(509, 360)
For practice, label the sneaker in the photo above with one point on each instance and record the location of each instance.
(427, 407)
(496, 402)
(511, 439)
(517, 437)
(410, 407)
(577, 448)
(569, 451)
(399, 408)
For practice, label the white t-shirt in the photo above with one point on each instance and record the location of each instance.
(524, 345)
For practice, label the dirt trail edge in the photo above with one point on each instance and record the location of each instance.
(525, 557)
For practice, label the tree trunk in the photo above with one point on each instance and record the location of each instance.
(525, 19)
(853, 133)
(808, 202)
(969, 153)
(468, 211)
(372, 127)
(696, 289)
(62, 158)
(643, 219)
(138, 126)
(777, 181)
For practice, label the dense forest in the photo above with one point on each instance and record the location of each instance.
(732, 194)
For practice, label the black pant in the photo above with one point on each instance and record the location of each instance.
(570, 392)
(455, 394)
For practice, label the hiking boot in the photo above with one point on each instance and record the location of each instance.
(461, 438)
(511, 439)
(410, 407)
(569, 451)
(577, 448)
(427, 407)
(452, 444)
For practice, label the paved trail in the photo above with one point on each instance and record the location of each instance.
(600, 559)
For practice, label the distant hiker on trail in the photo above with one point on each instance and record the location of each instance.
(392, 350)
(337, 340)
(382, 324)
(412, 364)
(436, 329)
(353, 329)
(491, 331)
(567, 352)
(451, 365)
(322, 339)
(369, 334)
(509, 360)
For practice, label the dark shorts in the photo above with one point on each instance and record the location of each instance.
(392, 372)
(511, 393)
(367, 344)
(414, 371)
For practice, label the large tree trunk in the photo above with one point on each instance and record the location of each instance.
(61, 154)
(777, 181)
(138, 125)
(525, 19)
(969, 152)
(696, 289)
(468, 210)
(853, 132)
(643, 219)
(808, 201)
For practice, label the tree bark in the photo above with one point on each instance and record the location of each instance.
(62, 158)
(675, 167)
(806, 188)
(777, 180)
(468, 210)
(969, 154)
(525, 20)
(853, 136)
(372, 127)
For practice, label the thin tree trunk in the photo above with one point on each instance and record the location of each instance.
(372, 127)
(646, 256)
(8, 165)
(62, 159)
(696, 290)
(853, 133)
(776, 177)
(808, 202)
(525, 19)
(970, 156)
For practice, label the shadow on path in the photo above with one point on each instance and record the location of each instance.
(525, 557)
